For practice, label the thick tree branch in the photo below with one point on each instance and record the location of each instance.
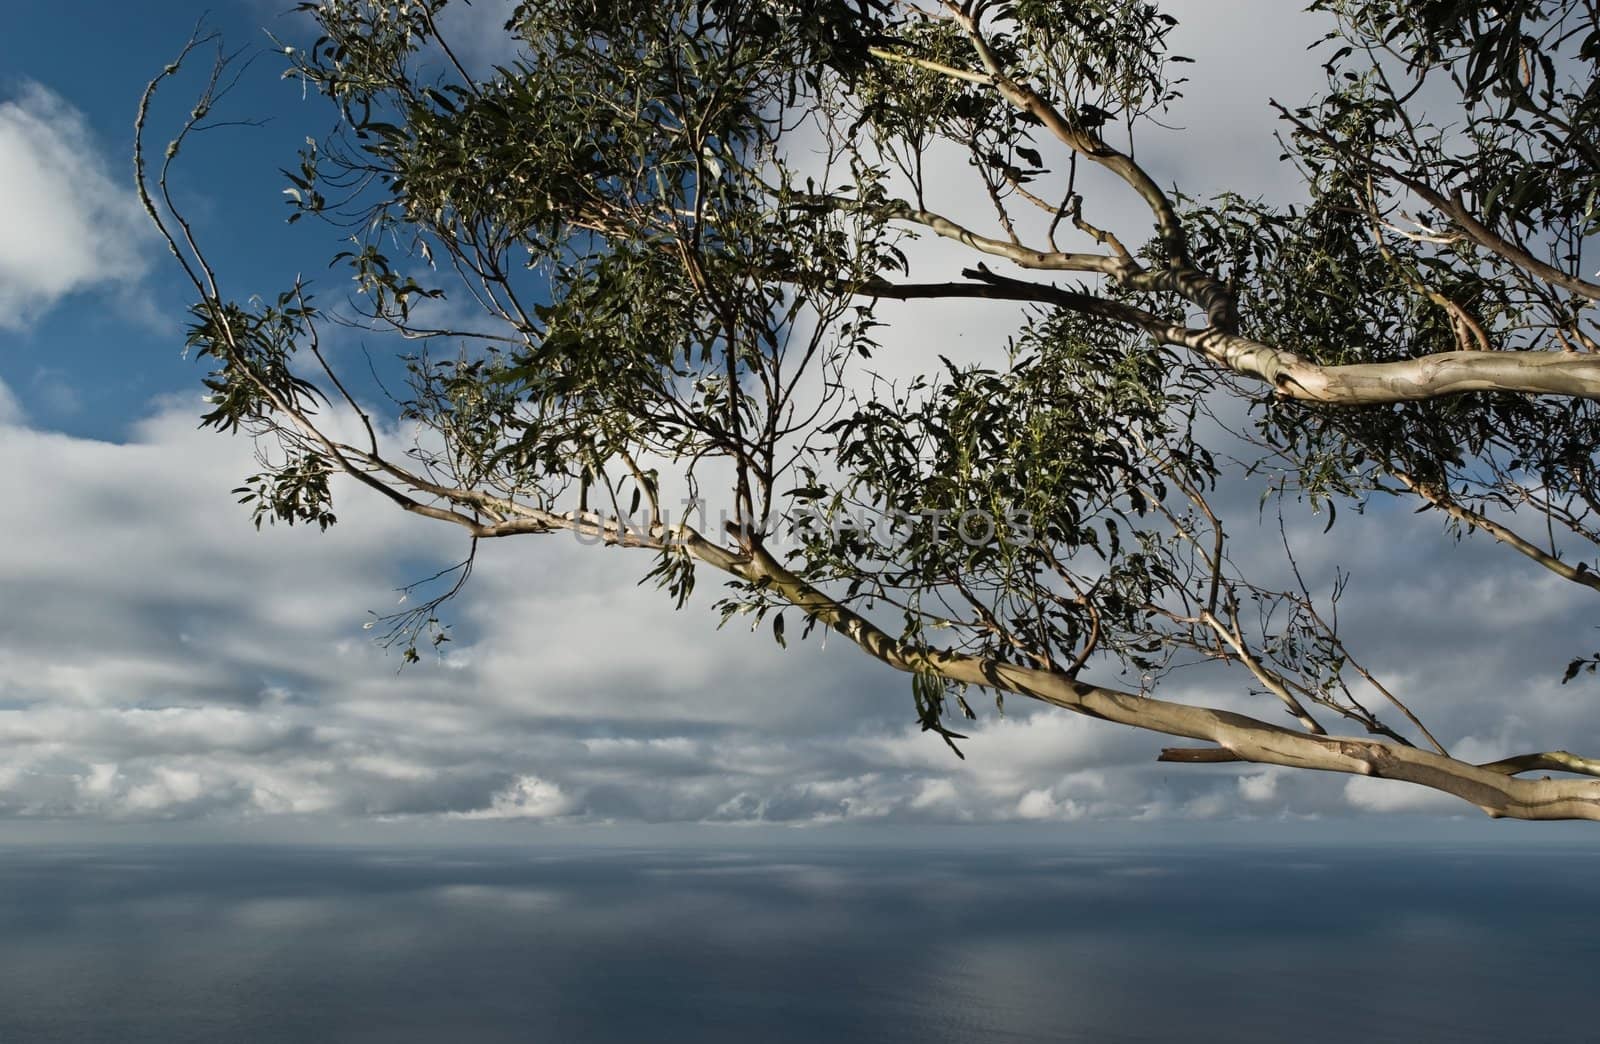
(1198, 755)
(1408, 380)
(1495, 792)
(1291, 375)
(1550, 761)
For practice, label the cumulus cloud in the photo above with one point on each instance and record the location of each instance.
(527, 797)
(70, 224)
(1260, 786)
(1385, 795)
(174, 664)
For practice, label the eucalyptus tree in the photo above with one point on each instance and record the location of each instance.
(675, 222)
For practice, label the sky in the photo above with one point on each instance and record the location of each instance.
(164, 667)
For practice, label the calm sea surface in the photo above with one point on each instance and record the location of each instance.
(1109, 945)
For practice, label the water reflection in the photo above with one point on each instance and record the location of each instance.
(861, 945)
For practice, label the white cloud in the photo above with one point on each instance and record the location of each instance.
(937, 794)
(10, 409)
(70, 224)
(1261, 786)
(173, 663)
(1386, 795)
(1041, 804)
(528, 797)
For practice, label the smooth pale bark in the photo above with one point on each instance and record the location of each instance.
(1494, 790)
(1407, 380)
(1292, 376)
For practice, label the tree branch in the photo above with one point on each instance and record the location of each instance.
(1291, 375)
(1550, 761)
(1270, 681)
(1250, 739)
(1197, 755)
(1453, 207)
(1082, 141)
(1442, 500)
(1026, 257)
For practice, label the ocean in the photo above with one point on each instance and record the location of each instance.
(246, 944)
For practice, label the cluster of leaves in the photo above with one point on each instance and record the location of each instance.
(1379, 265)
(668, 283)
(1527, 76)
(1024, 510)
(254, 349)
(1105, 60)
(294, 491)
(1102, 63)
(625, 161)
